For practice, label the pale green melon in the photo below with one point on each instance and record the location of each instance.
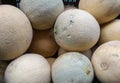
(72, 67)
(76, 30)
(42, 13)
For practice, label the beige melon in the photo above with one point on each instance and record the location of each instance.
(29, 68)
(72, 67)
(106, 62)
(76, 30)
(103, 10)
(110, 32)
(42, 13)
(43, 43)
(15, 32)
(87, 53)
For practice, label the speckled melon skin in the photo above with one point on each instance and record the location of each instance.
(42, 13)
(29, 68)
(15, 32)
(72, 67)
(76, 30)
(110, 31)
(103, 10)
(106, 62)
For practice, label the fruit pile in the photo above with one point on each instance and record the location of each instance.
(45, 41)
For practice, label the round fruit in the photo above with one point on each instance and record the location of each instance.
(29, 68)
(15, 32)
(42, 13)
(110, 31)
(106, 62)
(76, 30)
(103, 10)
(43, 43)
(72, 67)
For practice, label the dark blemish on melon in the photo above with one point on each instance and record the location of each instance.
(104, 66)
(71, 21)
(72, 81)
(55, 30)
(68, 36)
(65, 28)
(88, 72)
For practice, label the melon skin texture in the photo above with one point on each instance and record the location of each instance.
(76, 30)
(15, 32)
(103, 10)
(29, 68)
(43, 43)
(106, 62)
(110, 31)
(72, 67)
(42, 13)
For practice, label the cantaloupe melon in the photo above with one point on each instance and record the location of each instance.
(76, 30)
(42, 13)
(15, 32)
(103, 10)
(29, 68)
(43, 43)
(110, 31)
(72, 67)
(106, 62)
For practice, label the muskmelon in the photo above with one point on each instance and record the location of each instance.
(106, 62)
(43, 43)
(76, 30)
(103, 10)
(15, 32)
(72, 67)
(110, 31)
(42, 13)
(29, 68)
